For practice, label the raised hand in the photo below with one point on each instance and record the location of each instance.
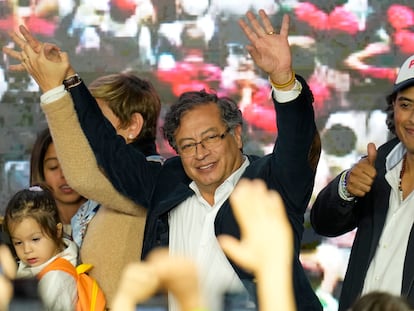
(361, 176)
(137, 284)
(270, 50)
(179, 276)
(159, 272)
(45, 62)
(261, 216)
(266, 245)
(33, 43)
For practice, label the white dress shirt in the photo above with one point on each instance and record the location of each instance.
(385, 272)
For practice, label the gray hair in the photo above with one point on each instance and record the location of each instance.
(230, 113)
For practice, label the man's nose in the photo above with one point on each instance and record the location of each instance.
(200, 150)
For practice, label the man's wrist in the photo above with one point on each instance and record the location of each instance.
(286, 85)
(70, 72)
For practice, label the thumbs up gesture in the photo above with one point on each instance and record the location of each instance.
(361, 176)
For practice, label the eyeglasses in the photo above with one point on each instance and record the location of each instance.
(208, 143)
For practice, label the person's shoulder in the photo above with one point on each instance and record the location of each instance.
(172, 162)
(256, 165)
(173, 168)
(388, 146)
(253, 157)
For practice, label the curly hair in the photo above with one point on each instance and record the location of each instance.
(230, 113)
(390, 112)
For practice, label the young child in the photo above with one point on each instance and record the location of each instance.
(31, 219)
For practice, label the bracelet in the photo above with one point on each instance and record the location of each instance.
(345, 183)
(343, 192)
(281, 86)
(72, 81)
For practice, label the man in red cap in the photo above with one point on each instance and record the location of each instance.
(375, 196)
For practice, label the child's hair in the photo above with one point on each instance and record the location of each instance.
(38, 203)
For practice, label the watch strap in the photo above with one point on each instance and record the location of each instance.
(72, 81)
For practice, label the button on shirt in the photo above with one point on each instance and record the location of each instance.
(386, 268)
(192, 234)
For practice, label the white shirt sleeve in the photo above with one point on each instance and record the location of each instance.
(53, 95)
(287, 96)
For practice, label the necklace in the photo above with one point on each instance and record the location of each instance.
(401, 177)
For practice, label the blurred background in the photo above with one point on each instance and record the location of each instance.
(348, 51)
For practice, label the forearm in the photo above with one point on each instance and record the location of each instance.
(296, 121)
(124, 165)
(330, 214)
(275, 287)
(292, 151)
(77, 159)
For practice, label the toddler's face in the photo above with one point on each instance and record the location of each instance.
(32, 245)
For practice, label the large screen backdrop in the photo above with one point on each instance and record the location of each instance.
(348, 51)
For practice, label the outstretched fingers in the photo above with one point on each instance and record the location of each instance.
(254, 29)
(250, 34)
(255, 24)
(267, 24)
(284, 29)
(18, 40)
(12, 53)
(23, 55)
(29, 39)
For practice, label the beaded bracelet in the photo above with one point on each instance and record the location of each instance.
(343, 192)
(345, 184)
(281, 86)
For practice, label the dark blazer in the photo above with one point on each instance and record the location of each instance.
(332, 216)
(161, 189)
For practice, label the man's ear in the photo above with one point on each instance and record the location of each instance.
(59, 230)
(136, 125)
(237, 133)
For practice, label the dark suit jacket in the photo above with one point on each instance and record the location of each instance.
(161, 189)
(332, 216)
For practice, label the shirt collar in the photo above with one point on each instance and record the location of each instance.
(395, 156)
(232, 179)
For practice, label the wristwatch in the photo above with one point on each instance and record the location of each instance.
(72, 81)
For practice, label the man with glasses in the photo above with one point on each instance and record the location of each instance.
(187, 197)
